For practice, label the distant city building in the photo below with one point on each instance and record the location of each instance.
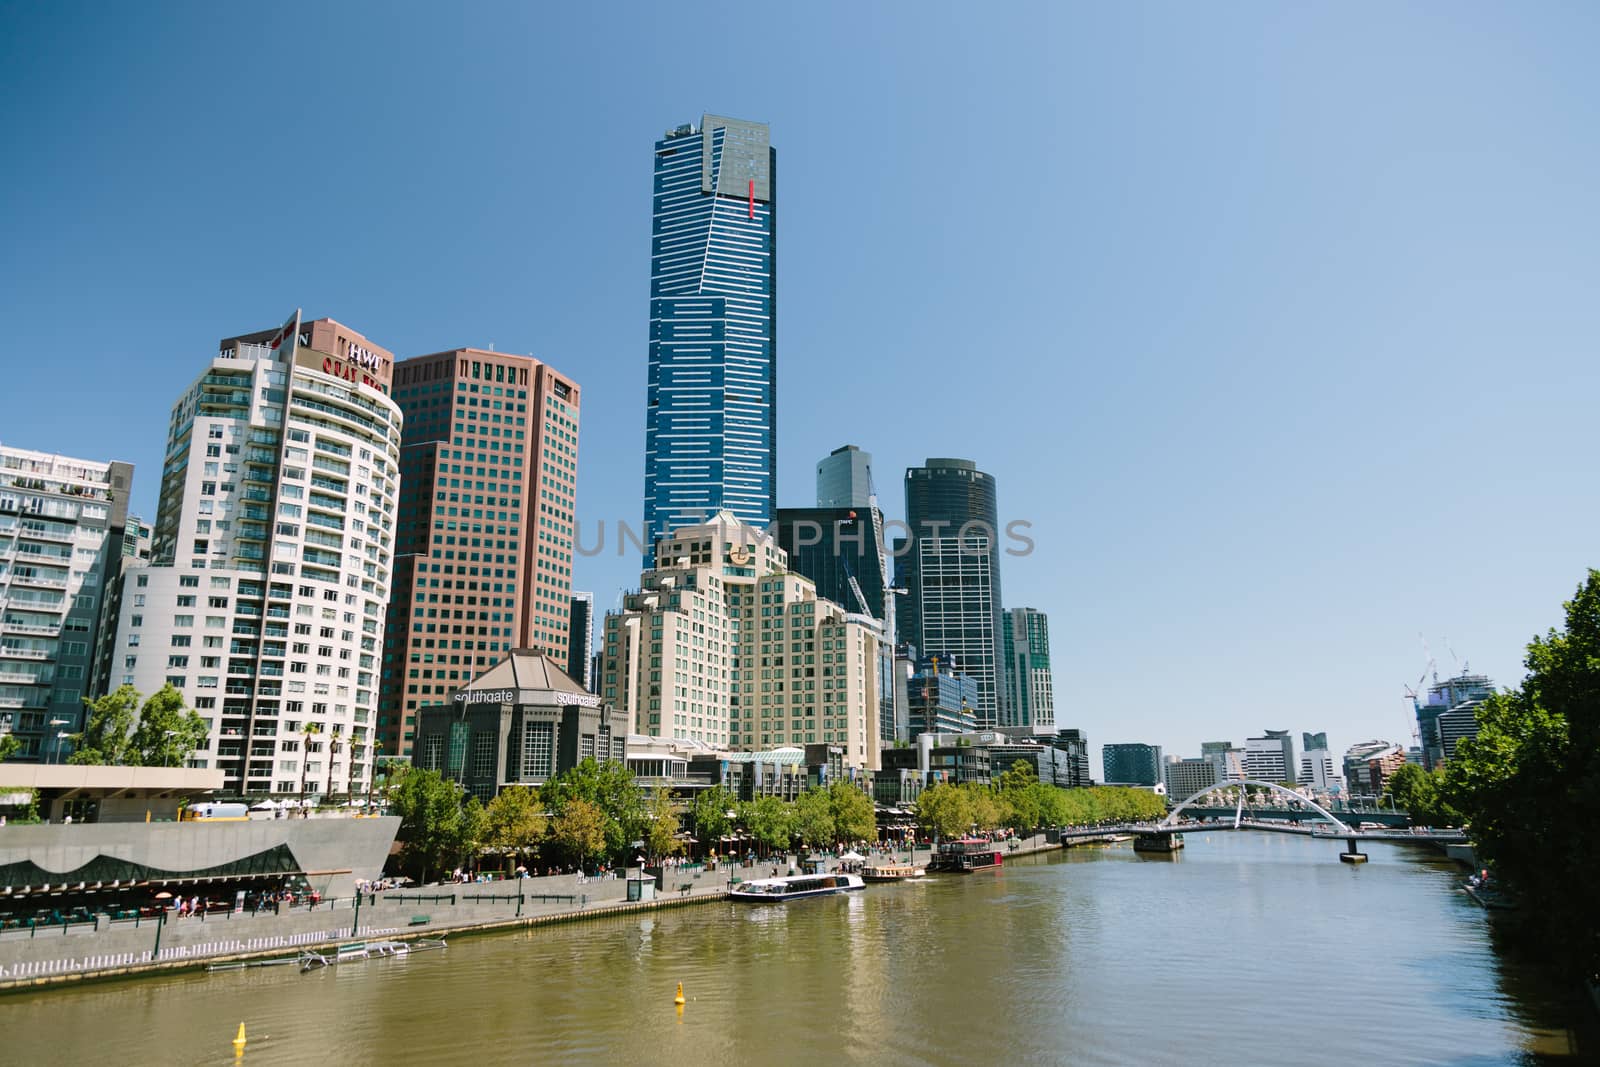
(943, 758)
(1074, 743)
(1270, 758)
(1227, 758)
(1031, 689)
(488, 484)
(724, 645)
(950, 567)
(521, 722)
(1368, 765)
(1185, 777)
(711, 424)
(1450, 713)
(1317, 770)
(271, 559)
(1131, 763)
(62, 524)
(940, 700)
(844, 479)
(136, 544)
(580, 640)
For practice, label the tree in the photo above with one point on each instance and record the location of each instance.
(169, 731)
(813, 818)
(307, 732)
(579, 829)
(515, 822)
(661, 825)
(107, 735)
(1526, 784)
(769, 820)
(1421, 794)
(611, 788)
(8, 747)
(989, 811)
(944, 810)
(855, 818)
(711, 822)
(439, 823)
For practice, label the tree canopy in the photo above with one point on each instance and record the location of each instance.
(610, 787)
(514, 820)
(1421, 794)
(107, 736)
(944, 810)
(1526, 784)
(813, 818)
(439, 823)
(710, 813)
(855, 818)
(580, 829)
(661, 825)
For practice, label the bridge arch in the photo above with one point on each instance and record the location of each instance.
(1172, 817)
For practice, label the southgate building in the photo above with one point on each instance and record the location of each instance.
(488, 488)
(271, 558)
(725, 646)
(711, 423)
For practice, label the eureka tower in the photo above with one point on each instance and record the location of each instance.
(711, 424)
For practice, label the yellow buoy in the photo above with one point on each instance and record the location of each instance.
(676, 1000)
(238, 1041)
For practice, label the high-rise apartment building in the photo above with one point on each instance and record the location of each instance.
(1228, 758)
(711, 428)
(1029, 685)
(950, 567)
(1448, 713)
(1131, 763)
(1317, 768)
(580, 641)
(271, 562)
(1186, 777)
(726, 646)
(61, 536)
(488, 488)
(844, 479)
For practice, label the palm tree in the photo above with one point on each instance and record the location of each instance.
(307, 732)
(334, 744)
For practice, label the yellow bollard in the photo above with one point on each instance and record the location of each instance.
(238, 1042)
(679, 998)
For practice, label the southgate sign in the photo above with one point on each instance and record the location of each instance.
(527, 696)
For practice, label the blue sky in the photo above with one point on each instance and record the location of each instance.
(1277, 322)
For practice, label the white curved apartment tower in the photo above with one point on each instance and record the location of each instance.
(264, 599)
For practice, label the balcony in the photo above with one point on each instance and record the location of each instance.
(48, 629)
(40, 580)
(9, 652)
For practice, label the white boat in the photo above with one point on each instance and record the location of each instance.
(778, 890)
(893, 872)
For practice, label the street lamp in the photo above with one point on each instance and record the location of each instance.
(166, 749)
(60, 737)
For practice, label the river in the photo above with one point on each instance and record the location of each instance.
(1245, 948)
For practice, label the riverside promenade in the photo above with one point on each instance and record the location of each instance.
(105, 949)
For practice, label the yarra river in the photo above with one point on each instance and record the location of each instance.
(1246, 948)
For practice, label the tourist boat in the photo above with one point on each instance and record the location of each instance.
(893, 872)
(967, 855)
(778, 890)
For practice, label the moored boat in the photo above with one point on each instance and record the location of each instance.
(966, 855)
(893, 872)
(778, 890)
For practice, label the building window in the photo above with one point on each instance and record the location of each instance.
(483, 756)
(538, 750)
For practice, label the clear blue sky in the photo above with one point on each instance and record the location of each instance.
(1277, 321)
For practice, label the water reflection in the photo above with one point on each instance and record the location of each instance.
(1093, 956)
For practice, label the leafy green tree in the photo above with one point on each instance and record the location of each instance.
(711, 822)
(439, 823)
(855, 818)
(1526, 785)
(611, 788)
(1421, 793)
(108, 734)
(989, 811)
(813, 818)
(169, 731)
(661, 825)
(769, 820)
(515, 822)
(579, 829)
(8, 747)
(944, 810)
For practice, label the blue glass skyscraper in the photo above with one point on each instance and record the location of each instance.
(711, 429)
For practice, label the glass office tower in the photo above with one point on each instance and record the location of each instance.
(711, 428)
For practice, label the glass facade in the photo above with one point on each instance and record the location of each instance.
(711, 434)
(1030, 688)
(1131, 764)
(950, 566)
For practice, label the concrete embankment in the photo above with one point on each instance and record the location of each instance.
(56, 955)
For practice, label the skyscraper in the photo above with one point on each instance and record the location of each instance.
(580, 638)
(711, 427)
(950, 567)
(844, 479)
(488, 484)
(61, 535)
(1131, 763)
(271, 561)
(1270, 757)
(1030, 690)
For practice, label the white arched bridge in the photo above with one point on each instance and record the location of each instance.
(1326, 823)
